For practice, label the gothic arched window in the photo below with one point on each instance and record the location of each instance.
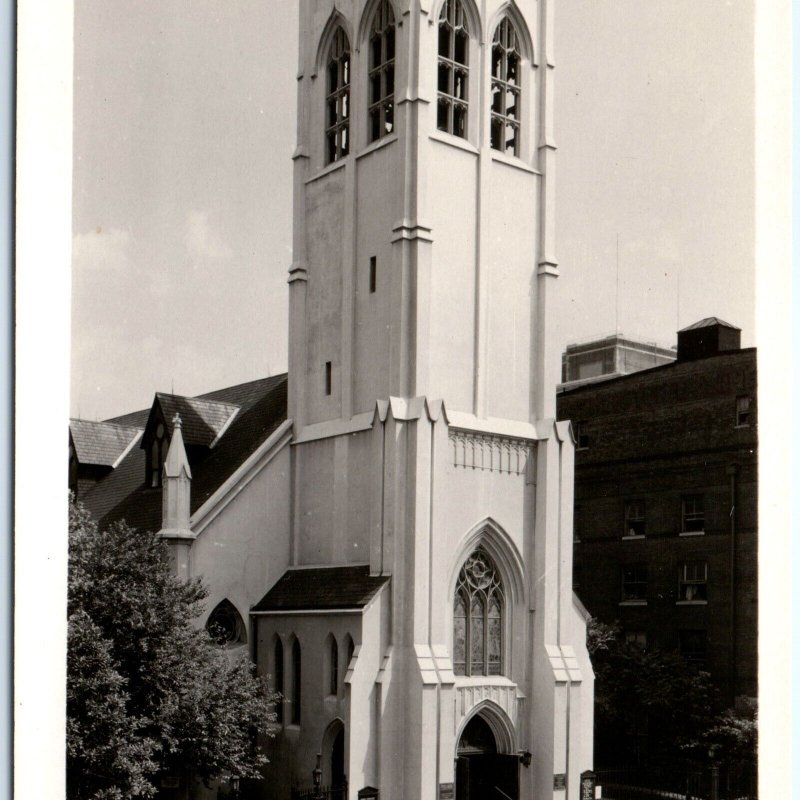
(296, 678)
(225, 625)
(381, 72)
(478, 608)
(279, 679)
(333, 665)
(337, 99)
(506, 95)
(453, 72)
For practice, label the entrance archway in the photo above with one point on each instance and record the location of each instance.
(482, 771)
(333, 773)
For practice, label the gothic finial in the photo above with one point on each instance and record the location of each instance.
(176, 420)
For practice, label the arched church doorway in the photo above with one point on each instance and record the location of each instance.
(483, 773)
(333, 773)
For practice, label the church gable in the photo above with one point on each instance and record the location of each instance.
(221, 430)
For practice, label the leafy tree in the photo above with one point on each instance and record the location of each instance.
(641, 690)
(148, 692)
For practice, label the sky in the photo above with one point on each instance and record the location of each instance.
(183, 133)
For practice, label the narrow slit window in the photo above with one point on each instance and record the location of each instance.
(337, 99)
(328, 378)
(506, 95)
(373, 274)
(381, 72)
(453, 70)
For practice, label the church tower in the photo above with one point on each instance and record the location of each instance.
(440, 652)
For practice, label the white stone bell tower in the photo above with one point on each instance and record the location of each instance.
(422, 376)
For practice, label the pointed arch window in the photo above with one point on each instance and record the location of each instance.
(381, 72)
(279, 679)
(453, 69)
(225, 624)
(478, 609)
(333, 676)
(337, 100)
(506, 94)
(296, 679)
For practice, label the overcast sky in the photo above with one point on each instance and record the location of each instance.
(184, 128)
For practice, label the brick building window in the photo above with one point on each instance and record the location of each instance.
(636, 639)
(693, 647)
(742, 412)
(693, 582)
(693, 515)
(634, 518)
(581, 435)
(634, 583)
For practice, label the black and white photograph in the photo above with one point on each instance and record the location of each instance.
(422, 364)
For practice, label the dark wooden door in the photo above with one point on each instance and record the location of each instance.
(462, 778)
(487, 776)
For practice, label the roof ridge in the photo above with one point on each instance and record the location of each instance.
(205, 395)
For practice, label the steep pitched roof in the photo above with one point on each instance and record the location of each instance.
(203, 421)
(124, 495)
(708, 322)
(313, 588)
(101, 443)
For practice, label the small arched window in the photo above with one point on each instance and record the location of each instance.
(337, 100)
(453, 70)
(506, 94)
(279, 679)
(225, 625)
(381, 72)
(333, 675)
(296, 678)
(478, 608)
(349, 649)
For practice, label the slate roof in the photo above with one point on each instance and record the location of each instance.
(708, 322)
(202, 421)
(314, 588)
(123, 493)
(101, 443)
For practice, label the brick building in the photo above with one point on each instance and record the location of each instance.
(665, 503)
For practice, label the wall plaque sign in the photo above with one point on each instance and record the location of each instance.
(446, 791)
(560, 781)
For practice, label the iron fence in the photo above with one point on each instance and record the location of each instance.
(320, 793)
(733, 781)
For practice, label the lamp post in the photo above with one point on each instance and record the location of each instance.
(316, 776)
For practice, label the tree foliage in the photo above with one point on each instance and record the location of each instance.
(653, 692)
(147, 692)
